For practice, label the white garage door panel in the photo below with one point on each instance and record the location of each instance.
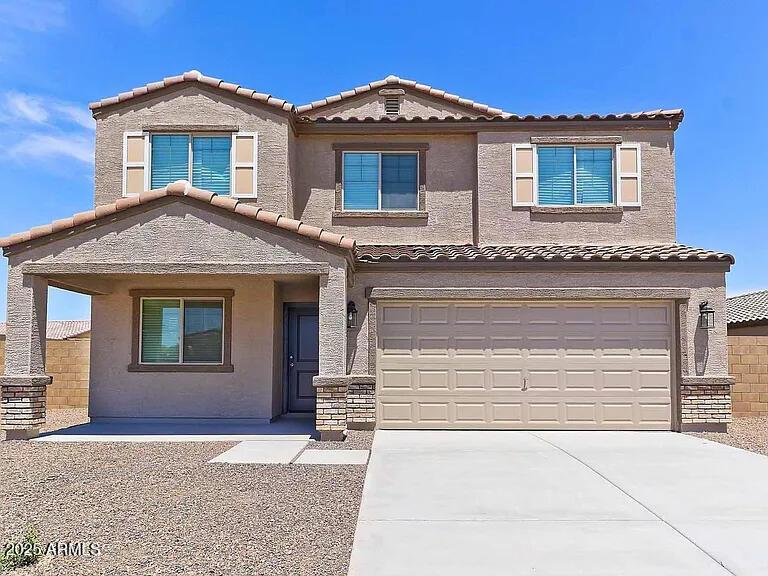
(524, 365)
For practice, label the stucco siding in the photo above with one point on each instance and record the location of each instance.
(180, 231)
(244, 393)
(703, 352)
(502, 223)
(193, 108)
(450, 182)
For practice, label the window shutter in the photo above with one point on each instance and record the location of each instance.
(135, 160)
(245, 153)
(555, 171)
(628, 169)
(523, 175)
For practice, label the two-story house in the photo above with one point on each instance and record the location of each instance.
(392, 256)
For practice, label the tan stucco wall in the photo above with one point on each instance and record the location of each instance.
(450, 183)
(244, 393)
(502, 223)
(412, 105)
(705, 351)
(194, 107)
(68, 362)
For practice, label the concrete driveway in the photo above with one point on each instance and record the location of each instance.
(561, 503)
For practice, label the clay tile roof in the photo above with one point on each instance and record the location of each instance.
(193, 76)
(675, 115)
(481, 109)
(372, 253)
(60, 329)
(184, 188)
(748, 308)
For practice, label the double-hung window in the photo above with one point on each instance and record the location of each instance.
(380, 181)
(575, 175)
(205, 161)
(181, 331)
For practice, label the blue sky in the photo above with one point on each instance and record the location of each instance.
(708, 57)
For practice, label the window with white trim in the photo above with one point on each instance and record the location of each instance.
(575, 175)
(224, 163)
(182, 331)
(380, 181)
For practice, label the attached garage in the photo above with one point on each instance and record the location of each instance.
(586, 365)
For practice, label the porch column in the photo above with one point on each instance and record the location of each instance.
(330, 383)
(24, 381)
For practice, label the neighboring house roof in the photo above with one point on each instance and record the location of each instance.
(749, 308)
(60, 329)
(183, 188)
(375, 253)
(482, 111)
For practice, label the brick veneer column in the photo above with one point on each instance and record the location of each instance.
(705, 403)
(330, 383)
(24, 381)
(361, 402)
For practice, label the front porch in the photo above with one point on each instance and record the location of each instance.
(220, 339)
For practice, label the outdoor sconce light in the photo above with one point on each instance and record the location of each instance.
(706, 316)
(351, 315)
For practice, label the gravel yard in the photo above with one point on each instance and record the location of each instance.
(161, 509)
(747, 432)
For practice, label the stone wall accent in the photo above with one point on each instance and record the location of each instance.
(748, 364)
(705, 403)
(68, 362)
(361, 402)
(23, 405)
(331, 407)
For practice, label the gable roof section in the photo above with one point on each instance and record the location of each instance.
(392, 80)
(476, 110)
(749, 308)
(374, 254)
(193, 76)
(60, 329)
(183, 188)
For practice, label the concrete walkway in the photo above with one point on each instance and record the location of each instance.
(561, 503)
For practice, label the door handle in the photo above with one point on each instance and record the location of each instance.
(524, 387)
(290, 361)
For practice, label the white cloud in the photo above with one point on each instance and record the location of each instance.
(25, 107)
(45, 146)
(43, 128)
(33, 15)
(142, 12)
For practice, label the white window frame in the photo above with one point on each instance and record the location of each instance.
(534, 176)
(148, 155)
(621, 173)
(379, 208)
(614, 175)
(182, 301)
(254, 164)
(144, 164)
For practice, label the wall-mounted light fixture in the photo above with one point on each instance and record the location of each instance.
(706, 316)
(351, 315)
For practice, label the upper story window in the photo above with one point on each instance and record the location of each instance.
(221, 163)
(577, 175)
(380, 181)
(570, 175)
(203, 160)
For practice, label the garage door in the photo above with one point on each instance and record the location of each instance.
(509, 365)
